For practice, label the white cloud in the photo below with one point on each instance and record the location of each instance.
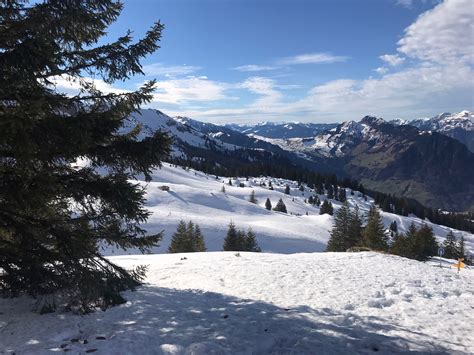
(381, 70)
(178, 91)
(392, 59)
(254, 68)
(264, 87)
(71, 85)
(405, 3)
(443, 35)
(313, 58)
(160, 69)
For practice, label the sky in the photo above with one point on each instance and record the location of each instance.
(247, 61)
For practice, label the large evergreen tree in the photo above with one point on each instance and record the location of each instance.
(424, 244)
(55, 214)
(340, 231)
(374, 232)
(251, 242)
(231, 241)
(354, 233)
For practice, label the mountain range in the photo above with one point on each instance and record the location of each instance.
(427, 159)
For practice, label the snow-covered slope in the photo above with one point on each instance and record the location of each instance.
(446, 122)
(198, 197)
(219, 303)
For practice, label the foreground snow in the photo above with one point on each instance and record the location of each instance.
(214, 303)
(198, 197)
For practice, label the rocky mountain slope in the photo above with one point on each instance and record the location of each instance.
(459, 126)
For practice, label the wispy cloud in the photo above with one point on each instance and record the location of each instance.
(255, 68)
(392, 59)
(182, 91)
(160, 69)
(313, 58)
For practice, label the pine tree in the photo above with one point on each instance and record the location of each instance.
(317, 201)
(198, 240)
(287, 190)
(374, 232)
(326, 208)
(268, 204)
(280, 206)
(354, 233)
(330, 193)
(450, 246)
(230, 182)
(252, 198)
(231, 241)
(311, 200)
(424, 244)
(179, 239)
(340, 231)
(223, 189)
(461, 249)
(53, 211)
(342, 195)
(251, 242)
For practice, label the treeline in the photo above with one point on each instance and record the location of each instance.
(286, 170)
(353, 232)
(189, 239)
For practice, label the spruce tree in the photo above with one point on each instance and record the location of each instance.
(354, 233)
(252, 198)
(326, 208)
(450, 246)
(251, 242)
(330, 192)
(461, 249)
(179, 239)
(340, 231)
(52, 210)
(280, 206)
(287, 190)
(374, 232)
(268, 204)
(231, 241)
(342, 195)
(198, 239)
(424, 244)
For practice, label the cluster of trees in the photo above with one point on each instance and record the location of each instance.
(187, 239)
(350, 231)
(239, 240)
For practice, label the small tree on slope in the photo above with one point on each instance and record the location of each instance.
(52, 211)
(280, 206)
(450, 247)
(268, 204)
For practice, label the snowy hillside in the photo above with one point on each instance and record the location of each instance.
(196, 196)
(218, 303)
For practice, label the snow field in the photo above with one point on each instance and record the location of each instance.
(220, 303)
(196, 196)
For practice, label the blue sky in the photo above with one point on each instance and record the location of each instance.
(316, 61)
